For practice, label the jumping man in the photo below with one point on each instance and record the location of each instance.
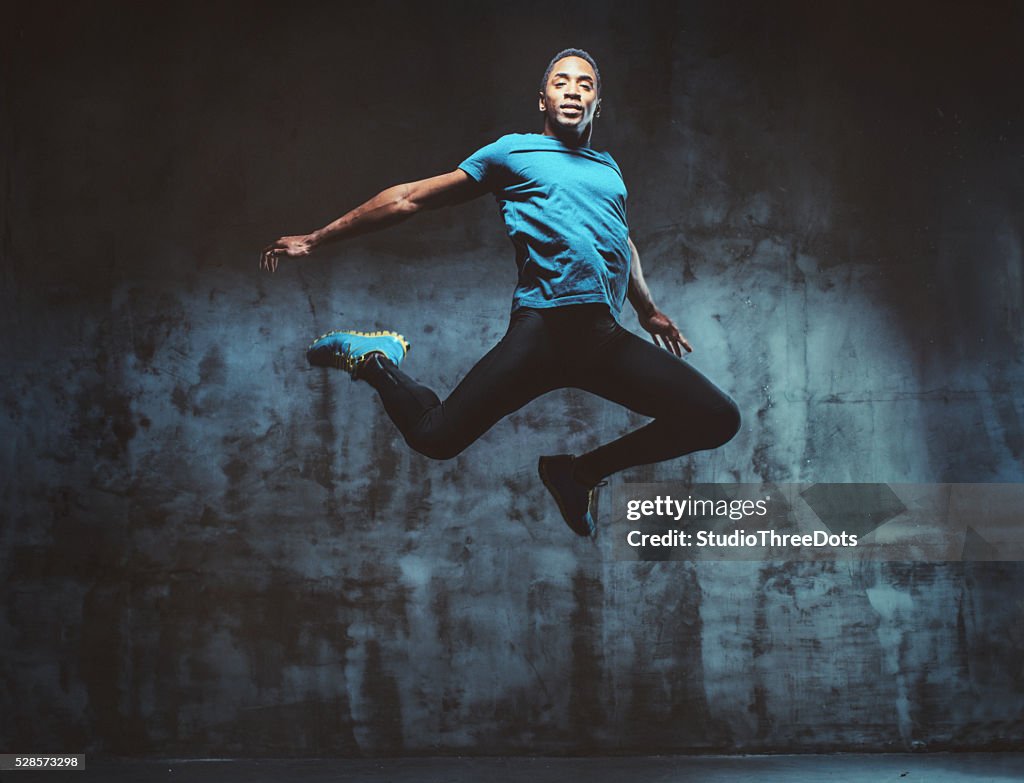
(564, 205)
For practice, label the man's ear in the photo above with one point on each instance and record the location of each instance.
(598, 112)
(541, 101)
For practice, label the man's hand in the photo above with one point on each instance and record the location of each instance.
(292, 247)
(660, 326)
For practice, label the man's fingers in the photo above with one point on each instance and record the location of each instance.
(662, 341)
(269, 257)
(683, 342)
(677, 343)
(673, 342)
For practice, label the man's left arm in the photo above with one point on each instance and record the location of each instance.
(655, 322)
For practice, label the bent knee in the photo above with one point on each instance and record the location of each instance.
(710, 428)
(723, 423)
(728, 421)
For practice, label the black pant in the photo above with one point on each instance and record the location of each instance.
(579, 346)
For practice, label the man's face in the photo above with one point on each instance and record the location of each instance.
(570, 97)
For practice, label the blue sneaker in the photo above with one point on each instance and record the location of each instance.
(349, 350)
(574, 499)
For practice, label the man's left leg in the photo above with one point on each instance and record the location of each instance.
(690, 414)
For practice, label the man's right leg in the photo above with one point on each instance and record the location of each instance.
(521, 367)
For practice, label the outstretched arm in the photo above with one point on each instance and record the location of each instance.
(385, 209)
(651, 318)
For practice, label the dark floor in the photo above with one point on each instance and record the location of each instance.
(839, 768)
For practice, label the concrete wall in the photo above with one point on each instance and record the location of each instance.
(209, 548)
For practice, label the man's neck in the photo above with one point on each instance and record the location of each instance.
(568, 137)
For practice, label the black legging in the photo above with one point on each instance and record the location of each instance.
(577, 346)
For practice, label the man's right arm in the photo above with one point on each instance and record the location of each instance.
(385, 209)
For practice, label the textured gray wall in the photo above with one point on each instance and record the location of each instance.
(209, 548)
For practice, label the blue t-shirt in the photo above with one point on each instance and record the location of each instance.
(565, 210)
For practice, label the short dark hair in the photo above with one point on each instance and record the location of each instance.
(571, 53)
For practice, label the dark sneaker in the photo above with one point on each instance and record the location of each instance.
(348, 350)
(574, 499)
